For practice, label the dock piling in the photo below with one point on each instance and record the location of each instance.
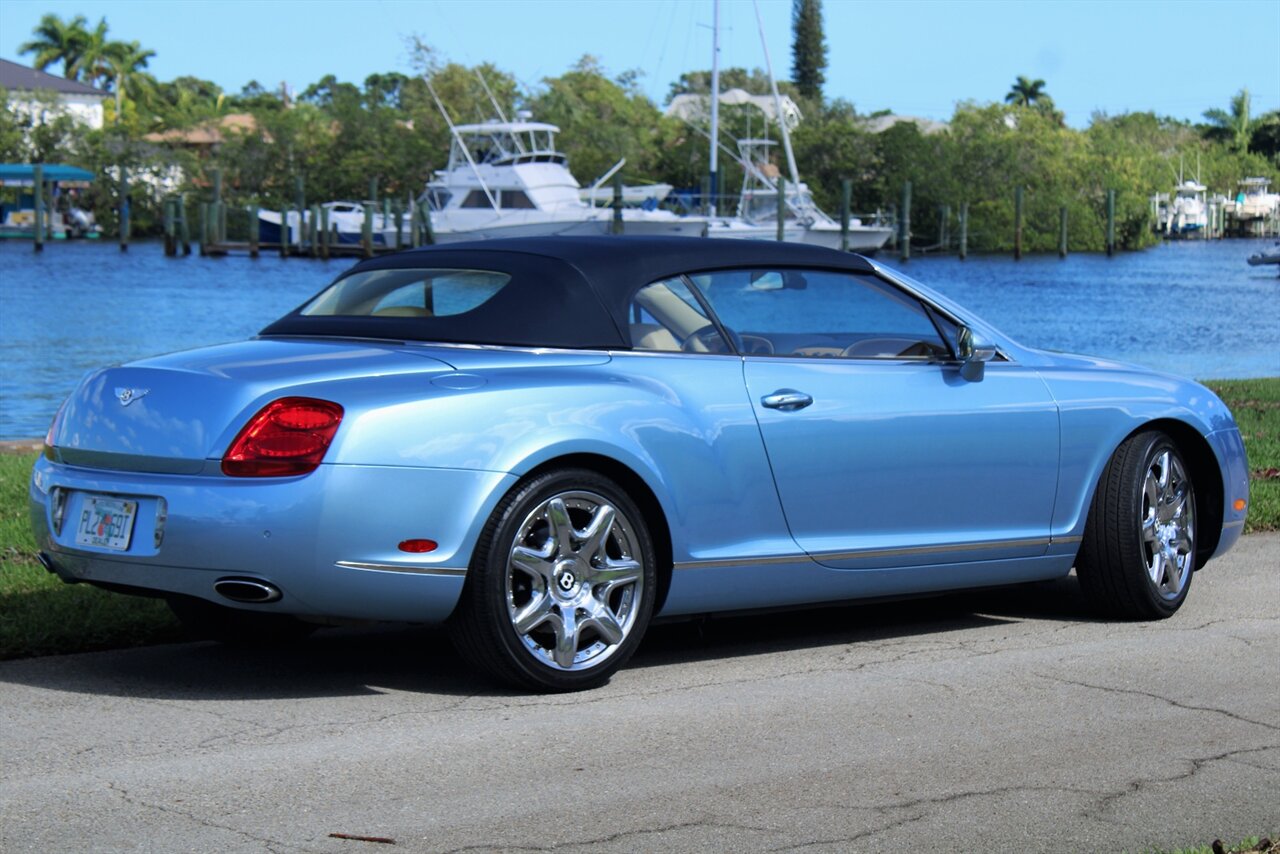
(1111, 223)
(846, 195)
(184, 230)
(204, 229)
(1017, 223)
(1062, 232)
(252, 212)
(125, 225)
(782, 208)
(944, 227)
(964, 230)
(170, 230)
(324, 233)
(37, 188)
(904, 223)
(617, 204)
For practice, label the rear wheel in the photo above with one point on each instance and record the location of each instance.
(561, 587)
(1139, 550)
(237, 627)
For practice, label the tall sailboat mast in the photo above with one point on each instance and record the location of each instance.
(715, 101)
(777, 100)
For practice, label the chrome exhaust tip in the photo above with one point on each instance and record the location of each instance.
(249, 590)
(47, 562)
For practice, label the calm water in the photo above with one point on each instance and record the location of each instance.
(1193, 308)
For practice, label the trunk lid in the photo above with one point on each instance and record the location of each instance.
(171, 413)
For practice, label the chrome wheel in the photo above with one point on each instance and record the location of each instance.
(1138, 556)
(1168, 524)
(574, 582)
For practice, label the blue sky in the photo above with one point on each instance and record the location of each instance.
(918, 58)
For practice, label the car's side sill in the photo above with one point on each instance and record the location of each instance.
(401, 567)
(869, 554)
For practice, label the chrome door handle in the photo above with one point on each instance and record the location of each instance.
(787, 399)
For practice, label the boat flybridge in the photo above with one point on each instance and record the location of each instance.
(506, 179)
(803, 221)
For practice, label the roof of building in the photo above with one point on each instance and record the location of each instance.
(210, 132)
(20, 78)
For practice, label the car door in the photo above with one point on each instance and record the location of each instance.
(882, 453)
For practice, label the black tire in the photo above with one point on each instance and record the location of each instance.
(1138, 555)
(529, 579)
(237, 627)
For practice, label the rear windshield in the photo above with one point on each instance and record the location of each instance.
(432, 292)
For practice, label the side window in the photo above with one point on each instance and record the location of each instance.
(476, 199)
(665, 316)
(821, 314)
(407, 293)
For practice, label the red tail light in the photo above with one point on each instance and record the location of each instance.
(287, 437)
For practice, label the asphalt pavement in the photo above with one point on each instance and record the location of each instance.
(992, 721)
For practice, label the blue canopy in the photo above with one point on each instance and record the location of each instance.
(23, 174)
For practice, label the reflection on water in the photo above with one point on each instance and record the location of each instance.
(1192, 308)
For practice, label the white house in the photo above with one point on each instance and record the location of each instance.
(21, 85)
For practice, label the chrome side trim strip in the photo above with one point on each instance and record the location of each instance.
(400, 567)
(1236, 524)
(875, 553)
(744, 561)
(924, 550)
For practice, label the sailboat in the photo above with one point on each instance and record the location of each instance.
(758, 209)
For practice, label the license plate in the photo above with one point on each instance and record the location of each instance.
(106, 523)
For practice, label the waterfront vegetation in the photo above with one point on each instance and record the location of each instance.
(40, 615)
(338, 136)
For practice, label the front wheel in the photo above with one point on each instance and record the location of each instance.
(1139, 549)
(561, 586)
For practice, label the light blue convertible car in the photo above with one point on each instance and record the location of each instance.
(547, 443)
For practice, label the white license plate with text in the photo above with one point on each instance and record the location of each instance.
(106, 522)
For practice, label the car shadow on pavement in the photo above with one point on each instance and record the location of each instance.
(371, 660)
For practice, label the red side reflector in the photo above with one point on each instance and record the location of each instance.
(418, 546)
(287, 437)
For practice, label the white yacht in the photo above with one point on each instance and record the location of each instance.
(506, 179)
(1183, 213)
(1254, 200)
(803, 220)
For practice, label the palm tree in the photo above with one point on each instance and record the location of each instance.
(1234, 127)
(126, 60)
(93, 64)
(57, 40)
(1024, 92)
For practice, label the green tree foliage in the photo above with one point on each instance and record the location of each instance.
(56, 40)
(602, 120)
(808, 48)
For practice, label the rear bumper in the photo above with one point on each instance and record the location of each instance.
(328, 540)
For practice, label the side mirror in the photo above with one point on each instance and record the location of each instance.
(974, 353)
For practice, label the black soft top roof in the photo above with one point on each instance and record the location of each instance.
(570, 292)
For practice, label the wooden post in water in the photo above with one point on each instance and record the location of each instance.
(944, 227)
(215, 212)
(964, 230)
(324, 233)
(222, 223)
(904, 223)
(170, 230)
(1062, 232)
(617, 204)
(846, 196)
(386, 217)
(204, 229)
(184, 230)
(313, 232)
(1111, 223)
(284, 231)
(782, 208)
(1017, 223)
(251, 213)
(37, 195)
(415, 237)
(125, 225)
(428, 237)
(706, 195)
(366, 230)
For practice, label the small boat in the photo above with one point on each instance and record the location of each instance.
(346, 225)
(803, 220)
(1266, 256)
(63, 218)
